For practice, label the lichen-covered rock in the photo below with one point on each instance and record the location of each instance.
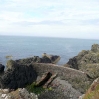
(92, 70)
(87, 61)
(95, 48)
(17, 76)
(10, 64)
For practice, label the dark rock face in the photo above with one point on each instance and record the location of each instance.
(20, 73)
(44, 79)
(45, 59)
(17, 76)
(1, 68)
(73, 63)
(87, 61)
(77, 60)
(36, 59)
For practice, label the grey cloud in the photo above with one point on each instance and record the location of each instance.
(90, 22)
(68, 22)
(47, 22)
(81, 22)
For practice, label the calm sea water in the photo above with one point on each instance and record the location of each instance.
(23, 47)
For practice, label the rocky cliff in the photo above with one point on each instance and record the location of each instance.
(20, 73)
(61, 82)
(86, 61)
(17, 76)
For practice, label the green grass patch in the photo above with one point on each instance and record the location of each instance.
(35, 89)
(93, 94)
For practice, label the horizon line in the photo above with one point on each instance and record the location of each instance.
(50, 37)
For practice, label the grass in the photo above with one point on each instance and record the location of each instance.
(93, 94)
(35, 89)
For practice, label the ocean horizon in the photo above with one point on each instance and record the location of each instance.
(19, 47)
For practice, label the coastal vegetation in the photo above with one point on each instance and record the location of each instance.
(35, 89)
(93, 91)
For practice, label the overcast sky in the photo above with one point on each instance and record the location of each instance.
(52, 18)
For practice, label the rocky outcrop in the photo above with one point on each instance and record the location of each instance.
(62, 82)
(36, 59)
(17, 76)
(86, 61)
(20, 73)
(95, 48)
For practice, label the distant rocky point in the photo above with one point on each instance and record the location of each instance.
(36, 59)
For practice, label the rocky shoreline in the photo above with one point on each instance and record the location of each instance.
(41, 78)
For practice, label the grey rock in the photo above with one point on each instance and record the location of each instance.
(20, 93)
(61, 89)
(24, 94)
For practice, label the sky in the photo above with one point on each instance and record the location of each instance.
(51, 18)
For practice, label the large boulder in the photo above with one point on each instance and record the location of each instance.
(17, 76)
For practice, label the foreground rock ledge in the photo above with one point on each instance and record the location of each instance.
(73, 81)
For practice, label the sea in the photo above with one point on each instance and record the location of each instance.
(18, 47)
